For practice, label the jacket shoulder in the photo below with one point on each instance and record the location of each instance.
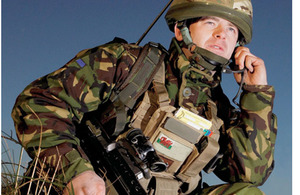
(114, 48)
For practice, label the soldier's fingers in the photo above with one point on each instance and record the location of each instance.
(240, 56)
(254, 63)
(240, 49)
(248, 62)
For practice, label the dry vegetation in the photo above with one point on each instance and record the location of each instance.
(17, 178)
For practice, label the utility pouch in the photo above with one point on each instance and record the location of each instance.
(183, 140)
(207, 150)
(172, 148)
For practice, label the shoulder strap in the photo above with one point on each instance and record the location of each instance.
(137, 82)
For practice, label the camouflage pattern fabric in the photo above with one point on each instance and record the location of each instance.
(247, 142)
(240, 5)
(47, 110)
(232, 189)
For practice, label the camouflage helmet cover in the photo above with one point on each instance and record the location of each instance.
(239, 12)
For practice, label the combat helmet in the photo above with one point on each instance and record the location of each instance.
(238, 12)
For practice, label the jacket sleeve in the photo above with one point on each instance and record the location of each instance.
(248, 147)
(45, 113)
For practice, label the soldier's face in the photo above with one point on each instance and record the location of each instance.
(215, 34)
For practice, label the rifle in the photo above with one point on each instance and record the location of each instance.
(123, 162)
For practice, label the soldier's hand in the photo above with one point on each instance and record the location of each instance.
(255, 73)
(86, 183)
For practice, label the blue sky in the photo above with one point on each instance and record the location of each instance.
(39, 36)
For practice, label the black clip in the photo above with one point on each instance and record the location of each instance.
(210, 167)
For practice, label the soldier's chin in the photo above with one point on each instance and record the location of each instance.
(219, 53)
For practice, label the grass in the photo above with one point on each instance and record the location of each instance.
(10, 170)
(13, 178)
(17, 178)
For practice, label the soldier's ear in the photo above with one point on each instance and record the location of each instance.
(177, 33)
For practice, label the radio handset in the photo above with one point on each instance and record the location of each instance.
(233, 68)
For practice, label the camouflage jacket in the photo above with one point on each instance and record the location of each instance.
(247, 142)
(46, 112)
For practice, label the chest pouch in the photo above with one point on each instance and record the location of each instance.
(183, 140)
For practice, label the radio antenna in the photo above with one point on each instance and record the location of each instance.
(155, 20)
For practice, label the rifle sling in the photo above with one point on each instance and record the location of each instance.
(137, 82)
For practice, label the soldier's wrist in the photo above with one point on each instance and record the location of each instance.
(75, 165)
(257, 97)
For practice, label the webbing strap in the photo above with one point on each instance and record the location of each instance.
(162, 94)
(141, 113)
(201, 161)
(137, 82)
(166, 186)
(160, 89)
(120, 117)
(159, 98)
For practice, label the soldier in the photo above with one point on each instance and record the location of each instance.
(208, 33)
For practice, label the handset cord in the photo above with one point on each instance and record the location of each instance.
(242, 72)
